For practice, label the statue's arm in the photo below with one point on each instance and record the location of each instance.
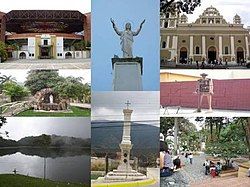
(139, 30)
(115, 28)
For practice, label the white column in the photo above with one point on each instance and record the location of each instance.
(167, 42)
(174, 47)
(126, 127)
(203, 46)
(247, 48)
(191, 47)
(126, 145)
(220, 46)
(232, 47)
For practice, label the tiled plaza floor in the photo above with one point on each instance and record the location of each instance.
(47, 64)
(223, 182)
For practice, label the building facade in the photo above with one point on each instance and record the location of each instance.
(45, 34)
(209, 38)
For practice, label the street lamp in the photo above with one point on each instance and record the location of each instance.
(186, 6)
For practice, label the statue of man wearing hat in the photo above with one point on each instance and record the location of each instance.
(126, 37)
(204, 88)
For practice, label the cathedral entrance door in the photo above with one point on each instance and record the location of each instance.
(183, 55)
(212, 54)
(240, 55)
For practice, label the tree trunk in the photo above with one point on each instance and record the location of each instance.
(248, 136)
(176, 130)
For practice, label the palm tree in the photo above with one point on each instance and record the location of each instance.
(4, 79)
(87, 95)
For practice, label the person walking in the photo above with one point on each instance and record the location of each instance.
(206, 164)
(191, 158)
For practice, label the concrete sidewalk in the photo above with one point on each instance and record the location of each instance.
(81, 105)
(176, 111)
(47, 64)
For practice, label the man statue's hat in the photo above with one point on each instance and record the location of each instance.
(204, 74)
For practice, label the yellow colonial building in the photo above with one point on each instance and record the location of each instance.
(209, 38)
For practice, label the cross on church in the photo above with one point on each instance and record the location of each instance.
(128, 103)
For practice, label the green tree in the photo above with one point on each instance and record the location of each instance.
(3, 51)
(70, 88)
(81, 45)
(14, 91)
(87, 94)
(4, 79)
(40, 79)
(3, 121)
(231, 142)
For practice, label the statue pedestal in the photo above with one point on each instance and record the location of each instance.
(127, 74)
(120, 176)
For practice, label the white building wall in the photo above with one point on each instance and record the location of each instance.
(59, 48)
(31, 48)
(45, 37)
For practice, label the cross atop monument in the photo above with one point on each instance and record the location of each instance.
(128, 103)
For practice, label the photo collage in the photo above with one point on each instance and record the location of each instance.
(125, 93)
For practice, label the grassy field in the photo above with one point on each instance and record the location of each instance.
(10, 180)
(77, 112)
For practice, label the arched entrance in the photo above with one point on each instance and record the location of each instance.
(68, 55)
(240, 55)
(183, 55)
(212, 54)
(22, 55)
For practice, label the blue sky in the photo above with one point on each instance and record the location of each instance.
(105, 42)
(227, 8)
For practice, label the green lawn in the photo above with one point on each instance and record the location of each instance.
(10, 180)
(77, 112)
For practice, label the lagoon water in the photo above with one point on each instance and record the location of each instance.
(66, 167)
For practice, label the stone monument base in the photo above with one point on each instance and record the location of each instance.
(119, 175)
(127, 74)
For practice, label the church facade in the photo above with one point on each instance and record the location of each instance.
(209, 38)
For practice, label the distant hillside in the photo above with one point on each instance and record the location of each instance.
(106, 136)
(7, 143)
(46, 140)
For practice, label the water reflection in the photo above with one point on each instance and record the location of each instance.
(67, 165)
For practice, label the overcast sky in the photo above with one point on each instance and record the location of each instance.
(21, 75)
(83, 6)
(227, 8)
(19, 127)
(110, 105)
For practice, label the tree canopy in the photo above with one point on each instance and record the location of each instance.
(3, 51)
(15, 91)
(68, 88)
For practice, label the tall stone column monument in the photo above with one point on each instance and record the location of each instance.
(124, 172)
(126, 145)
(127, 71)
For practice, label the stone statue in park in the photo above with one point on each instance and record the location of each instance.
(126, 37)
(51, 99)
(204, 88)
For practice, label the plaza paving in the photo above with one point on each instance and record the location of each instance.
(188, 174)
(172, 65)
(47, 64)
(191, 112)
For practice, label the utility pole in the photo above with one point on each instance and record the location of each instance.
(176, 130)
